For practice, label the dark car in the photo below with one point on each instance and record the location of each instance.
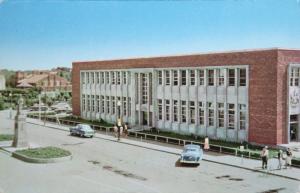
(82, 130)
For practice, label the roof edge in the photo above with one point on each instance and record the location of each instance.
(192, 54)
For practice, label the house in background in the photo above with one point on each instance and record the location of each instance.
(47, 81)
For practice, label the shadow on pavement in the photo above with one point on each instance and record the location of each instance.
(185, 165)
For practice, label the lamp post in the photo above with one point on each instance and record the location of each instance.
(40, 106)
(119, 124)
(10, 109)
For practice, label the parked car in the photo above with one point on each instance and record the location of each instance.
(191, 154)
(82, 130)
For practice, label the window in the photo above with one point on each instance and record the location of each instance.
(192, 112)
(201, 112)
(192, 77)
(102, 77)
(97, 78)
(102, 104)
(167, 106)
(88, 103)
(220, 114)
(242, 77)
(113, 105)
(183, 111)
(201, 77)
(294, 79)
(183, 77)
(93, 77)
(129, 106)
(83, 77)
(98, 104)
(243, 111)
(83, 103)
(159, 103)
(221, 77)
(159, 77)
(107, 77)
(144, 88)
(107, 105)
(231, 77)
(175, 110)
(167, 75)
(175, 77)
(88, 77)
(113, 78)
(124, 106)
(231, 114)
(124, 78)
(93, 103)
(211, 78)
(118, 78)
(211, 110)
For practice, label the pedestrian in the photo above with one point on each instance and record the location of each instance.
(280, 159)
(288, 159)
(116, 131)
(264, 156)
(206, 144)
(125, 130)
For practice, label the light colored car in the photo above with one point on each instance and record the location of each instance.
(82, 130)
(192, 154)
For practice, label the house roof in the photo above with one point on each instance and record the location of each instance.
(24, 85)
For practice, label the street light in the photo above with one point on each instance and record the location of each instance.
(119, 124)
(10, 109)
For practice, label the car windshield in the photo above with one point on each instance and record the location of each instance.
(190, 150)
(85, 127)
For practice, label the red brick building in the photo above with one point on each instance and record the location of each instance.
(249, 95)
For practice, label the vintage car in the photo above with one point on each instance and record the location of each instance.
(82, 130)
(191, 154)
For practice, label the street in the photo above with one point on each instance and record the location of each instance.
(110, 167)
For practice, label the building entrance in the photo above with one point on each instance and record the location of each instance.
(294, 132)
(144, 118)
(294, 128)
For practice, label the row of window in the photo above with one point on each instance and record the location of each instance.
(209, 110)
(294, 77)
(203, 77)
(106, 104)
(112, 77)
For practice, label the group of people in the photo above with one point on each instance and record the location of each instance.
(280, 156)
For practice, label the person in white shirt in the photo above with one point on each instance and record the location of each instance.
(264, 156)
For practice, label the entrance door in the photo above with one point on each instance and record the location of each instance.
(145, 118)
(294, 132)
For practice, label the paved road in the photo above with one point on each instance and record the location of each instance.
(106, 166)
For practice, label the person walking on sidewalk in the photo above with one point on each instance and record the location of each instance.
(264, 156)
(288, 159)
(206, 144)
(280, 159)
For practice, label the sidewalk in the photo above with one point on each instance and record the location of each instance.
(244, 163)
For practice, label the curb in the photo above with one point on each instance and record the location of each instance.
(173, 153)
(40, 160)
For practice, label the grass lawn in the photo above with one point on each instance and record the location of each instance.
(248, 147)
(6, 137)
(78, 119)
(45, 152)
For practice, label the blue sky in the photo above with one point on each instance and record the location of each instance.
(47, 34)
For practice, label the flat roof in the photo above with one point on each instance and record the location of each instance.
(192, 54)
